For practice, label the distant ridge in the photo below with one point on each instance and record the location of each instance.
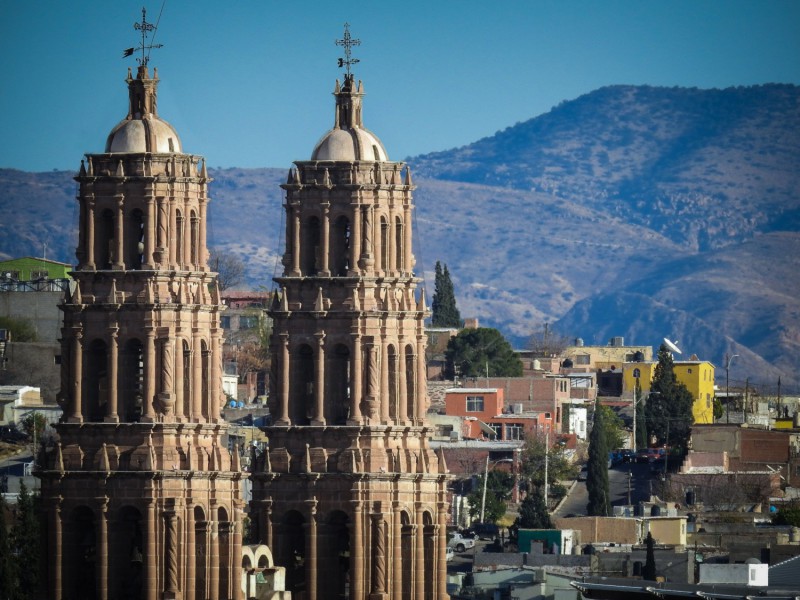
(636, 211)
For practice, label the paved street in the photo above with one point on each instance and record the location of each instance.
(618, 476)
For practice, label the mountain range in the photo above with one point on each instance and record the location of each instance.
(631, 211)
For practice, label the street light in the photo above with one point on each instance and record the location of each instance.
(728, 361)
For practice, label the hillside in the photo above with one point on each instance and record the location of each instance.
(634, 211)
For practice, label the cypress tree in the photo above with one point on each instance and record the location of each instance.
(25, 545)
(597, 468)
(7, 570)
(533, 513)
(443, 307)
(649, 571)
(669, 405)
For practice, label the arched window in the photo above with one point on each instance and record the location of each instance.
(398, 245)
(334, 557)
(292, 551)
(134, 240)
(126, 553)
(309, 247)
(131, 391)
(104, 240)
(186, 357)
(430, 558)
(411, 381)
(201, 553)
(337, 387)
(301, 387)
(96, 381)
(224, 529)
(340, 246)
(80, 555)
(194, 241)
(384, 259)
(205, 379)
(179, 240)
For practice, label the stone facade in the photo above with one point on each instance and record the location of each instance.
(350, 495)
(141, 494)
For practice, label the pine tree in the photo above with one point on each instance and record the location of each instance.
(649, 571)
(443, 308)
(669, 405)
(533, 513)
(597, 468)
(481, 352)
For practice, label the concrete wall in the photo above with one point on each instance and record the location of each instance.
(750, 575)
(41, 308)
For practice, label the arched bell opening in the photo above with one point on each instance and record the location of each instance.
(96, 381)
(293, 551)
(411, 381)
(340, 246)
(134, 257)
(394, 396)
(302, 385)
(126, 554)
(104, 240)
(80, 555)
(131, 392)
(334, 557)
(337, 408)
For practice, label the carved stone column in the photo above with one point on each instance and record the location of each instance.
(76, 414)
(325, 249)
(180, 409)
(397, 552)
(357, 553)
(373, 389)
(173, 237)
(419, 557)
(215, 386)
(379, 557)
(384, 395)
(408, 267)
(285, 369)
(90, 233)
(197, 376)
(202, 247)
(213, 557)
(311, 550)
(150, 579)
(163, 241)
(191, 550)
(422, 385)
(170, 554)
(102, 550)
(355, 239)
(113, 375)
(118, 262)
(441, 545)
(166, 397)
(319, 380)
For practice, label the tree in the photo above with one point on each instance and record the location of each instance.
(612, 428)
(481, 352)
(228, 266)
(597, 467)
(25, 545)
(533, 513)
(669, 405)
(444, 312)
(22, 330)
(649, 571)
(498, 491)
(559, 467)
(545, 343)
(7, 565)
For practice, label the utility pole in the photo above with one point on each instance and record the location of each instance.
(485, 481)
(728, 360)
(546, 465)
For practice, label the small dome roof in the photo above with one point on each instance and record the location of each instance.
(349, 144)
(149, 134)
(349, 140)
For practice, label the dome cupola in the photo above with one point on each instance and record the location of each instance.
(349, 140)
(142, 130)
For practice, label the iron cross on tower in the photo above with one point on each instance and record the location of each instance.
(144, 27)
(348, 42)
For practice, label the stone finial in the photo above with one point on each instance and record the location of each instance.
(285, 300)
(421, 307)
(105, 465)
(59, 460)
(319, 304)
(442, 463)
(112, 292)
(204, 171)
(236, 462)
(120, 169)
(297, 180)
(307, 460)
(290, 176)
(326, 179)
(76, 295)
(267, 462)
(90, 167)
(408, 175)
(82, 171)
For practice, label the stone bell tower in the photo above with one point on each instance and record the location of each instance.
(141, 493)
(350, 496)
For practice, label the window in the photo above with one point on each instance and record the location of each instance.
(11, 275)
(248, 322)
(582, 359)
(498, 429)
(474, 403)
(514, 431)
(39, 275)
(226, 322)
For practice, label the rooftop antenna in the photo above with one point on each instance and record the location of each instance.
(145, 28)
(348, 42)
(673, 346)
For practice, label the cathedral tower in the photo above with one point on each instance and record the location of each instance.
(349, 496)
(141, 494)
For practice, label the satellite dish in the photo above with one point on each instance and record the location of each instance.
(673, 346)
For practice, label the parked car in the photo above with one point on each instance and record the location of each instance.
(459, 543)
(485, 531)
(584, 473)
(448, 554)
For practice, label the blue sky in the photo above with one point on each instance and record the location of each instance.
(248, 83)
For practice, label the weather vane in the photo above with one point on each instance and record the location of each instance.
(144, 27)
(348, 42)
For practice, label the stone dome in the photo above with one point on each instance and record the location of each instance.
(143, 135)
(142, 130)
(349, 140)
(349, 144)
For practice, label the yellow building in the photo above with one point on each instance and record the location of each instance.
(696, 375)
